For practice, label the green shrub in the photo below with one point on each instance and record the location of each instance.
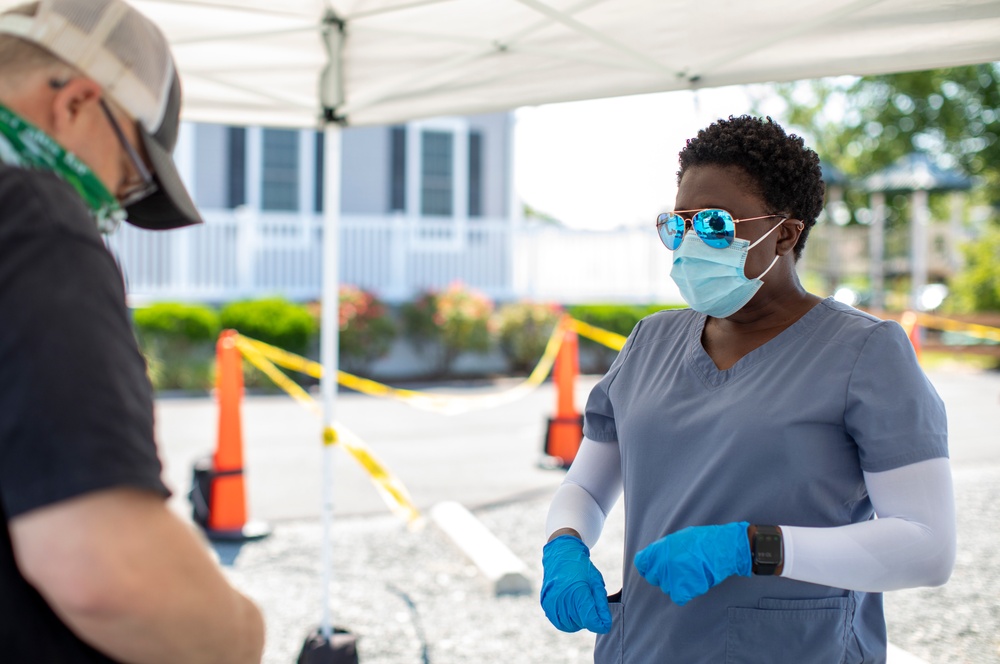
(366, 329)
(618, 318)
(418, 319)
(174, 320)
(178, 341)
(272, 320)
(170, 369)
(523, 330)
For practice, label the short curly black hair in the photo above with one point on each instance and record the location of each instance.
(786, 173)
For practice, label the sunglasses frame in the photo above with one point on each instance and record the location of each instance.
(135, 189)
(697, 222)
(145, 185)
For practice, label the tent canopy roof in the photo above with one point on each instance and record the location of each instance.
(260, 61)
(915, 172)
(833, 176)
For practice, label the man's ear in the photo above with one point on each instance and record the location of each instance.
(71, 102)
(788, 235)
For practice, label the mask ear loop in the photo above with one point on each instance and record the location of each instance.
(758, 241)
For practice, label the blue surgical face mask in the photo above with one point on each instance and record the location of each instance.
(712, 280)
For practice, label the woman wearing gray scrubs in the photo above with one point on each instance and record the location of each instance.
(755, 437)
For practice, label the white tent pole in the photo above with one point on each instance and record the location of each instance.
(331, 94)
(329, 327)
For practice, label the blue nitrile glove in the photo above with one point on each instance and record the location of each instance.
(687, 563)
(573, 593)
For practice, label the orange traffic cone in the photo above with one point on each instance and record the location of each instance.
(911, 326)
(223, 482)
(565, 430)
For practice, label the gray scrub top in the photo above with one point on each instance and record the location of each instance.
(782, 438)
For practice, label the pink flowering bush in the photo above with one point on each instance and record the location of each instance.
(366, 329)
(456, 320)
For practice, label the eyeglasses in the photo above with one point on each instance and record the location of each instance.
(715, 227)
(141, 186)
(135, 189)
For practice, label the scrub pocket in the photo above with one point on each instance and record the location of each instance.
(608, 647)
(804, 631)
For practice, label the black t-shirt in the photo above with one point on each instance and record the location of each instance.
(76, 410)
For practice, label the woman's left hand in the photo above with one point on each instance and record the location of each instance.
(687, 563)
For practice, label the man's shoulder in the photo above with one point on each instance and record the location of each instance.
(34, 201)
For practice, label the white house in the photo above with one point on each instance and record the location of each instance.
(422, 205)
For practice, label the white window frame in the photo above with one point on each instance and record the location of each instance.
(421, 235)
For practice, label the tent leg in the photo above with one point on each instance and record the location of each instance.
(326, 644)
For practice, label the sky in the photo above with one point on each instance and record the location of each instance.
(607, 163)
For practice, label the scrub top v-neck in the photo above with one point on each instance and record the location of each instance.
(781, 437)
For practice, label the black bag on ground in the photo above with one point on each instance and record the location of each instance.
(201, 490)
(340, 649)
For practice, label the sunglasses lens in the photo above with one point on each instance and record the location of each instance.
(671, 230)
(715, 227)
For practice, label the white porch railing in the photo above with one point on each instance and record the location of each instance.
(242, 255)
(554, 264)
(237, 255)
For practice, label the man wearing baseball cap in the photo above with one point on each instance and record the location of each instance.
(93, 565)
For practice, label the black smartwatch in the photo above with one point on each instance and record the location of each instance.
(767, 550)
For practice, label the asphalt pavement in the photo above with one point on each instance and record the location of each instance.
(409, 593)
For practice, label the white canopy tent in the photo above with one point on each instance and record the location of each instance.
(261, 61)
(360, 62)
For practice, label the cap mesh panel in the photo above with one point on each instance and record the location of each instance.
(84, 18)
(144, 56)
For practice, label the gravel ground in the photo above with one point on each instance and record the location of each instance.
(959, 623)
(412, 597)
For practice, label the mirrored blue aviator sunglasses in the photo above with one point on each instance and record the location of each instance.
(715, 227)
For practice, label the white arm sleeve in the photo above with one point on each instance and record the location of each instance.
(910, 544)
(588, 493)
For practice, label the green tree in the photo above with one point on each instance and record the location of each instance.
(862, 125)
(977, 287)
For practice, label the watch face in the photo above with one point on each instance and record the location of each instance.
(767, 548)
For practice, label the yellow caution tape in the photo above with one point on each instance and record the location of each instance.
(447, 404)
(603, 337)
(265, 357)
(255, 357)
(283, 358)
(389, 487)
(949, 325)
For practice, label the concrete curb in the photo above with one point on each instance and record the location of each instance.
(897, 656)
(506, 572)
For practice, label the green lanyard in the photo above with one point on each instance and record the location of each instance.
(25, 145)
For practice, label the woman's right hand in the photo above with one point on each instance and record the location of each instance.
(573, 593)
